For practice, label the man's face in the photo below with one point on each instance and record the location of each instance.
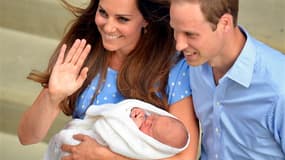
(194, 35)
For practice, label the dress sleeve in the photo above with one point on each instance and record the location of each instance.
(178, 82)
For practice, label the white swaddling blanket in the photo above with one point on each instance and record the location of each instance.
(111, 125)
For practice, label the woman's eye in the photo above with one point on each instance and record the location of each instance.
(102, 13)
(123, 19)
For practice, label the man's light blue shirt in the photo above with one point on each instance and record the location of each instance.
(243, 117)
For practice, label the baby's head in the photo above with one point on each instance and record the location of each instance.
(166, 129)
(170, 131)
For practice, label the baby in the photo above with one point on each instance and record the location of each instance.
(166, 129)
(141, 132)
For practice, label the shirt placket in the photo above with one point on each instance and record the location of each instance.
(217, 130)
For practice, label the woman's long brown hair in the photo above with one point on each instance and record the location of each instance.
(144, 73)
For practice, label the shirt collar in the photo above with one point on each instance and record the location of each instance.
(242, 70)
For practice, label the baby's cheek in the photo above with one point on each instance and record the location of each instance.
(146, 128)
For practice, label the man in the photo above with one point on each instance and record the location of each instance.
(238, 83)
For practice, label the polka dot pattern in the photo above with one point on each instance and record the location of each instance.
(178, 88)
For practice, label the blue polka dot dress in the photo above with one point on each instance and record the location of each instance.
(178, 88)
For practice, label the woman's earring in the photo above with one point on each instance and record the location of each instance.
(144, 30)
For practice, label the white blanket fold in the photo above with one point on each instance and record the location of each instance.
(111, 125)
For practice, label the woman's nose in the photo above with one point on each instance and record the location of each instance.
(110, 26)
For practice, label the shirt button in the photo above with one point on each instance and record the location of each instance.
(218, 103)
(216, 156)
(217, 130)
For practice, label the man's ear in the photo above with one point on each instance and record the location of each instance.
(226, 22)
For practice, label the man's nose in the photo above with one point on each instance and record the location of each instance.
(181, 42)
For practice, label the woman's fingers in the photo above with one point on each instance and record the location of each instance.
(80, 60)
(82, 76)
(81, 137)
(67, 148)
(78, 52)
(61, 54)
(72, 51)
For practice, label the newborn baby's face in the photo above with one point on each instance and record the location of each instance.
(146, 123)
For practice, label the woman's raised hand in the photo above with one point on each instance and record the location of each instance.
(68, 75)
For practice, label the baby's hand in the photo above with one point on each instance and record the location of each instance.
(138, 116)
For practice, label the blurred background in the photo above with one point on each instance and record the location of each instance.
(30, 31)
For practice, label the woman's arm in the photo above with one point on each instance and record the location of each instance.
(36, 121)
(65, 79)
(184, 111)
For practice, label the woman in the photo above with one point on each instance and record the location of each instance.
(127, 37)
